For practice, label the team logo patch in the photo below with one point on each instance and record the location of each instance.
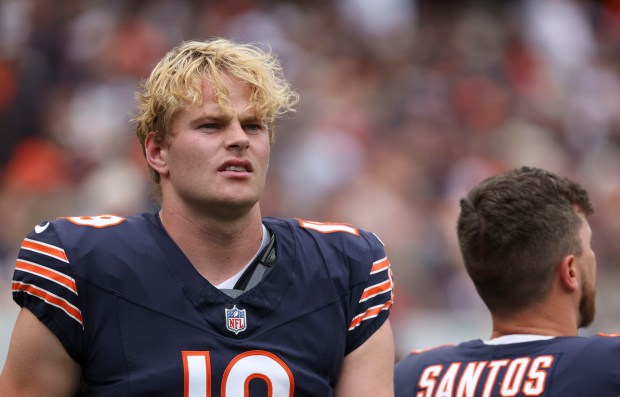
(235, 320)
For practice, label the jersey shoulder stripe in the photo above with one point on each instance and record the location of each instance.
(45, 249)
(378, 295)
(43, 279)
(47, 273)
(377, 289)
(384, 285)
(372, 312)
(380, 265)
(49, 298)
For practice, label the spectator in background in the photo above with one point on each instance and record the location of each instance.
(526, 244)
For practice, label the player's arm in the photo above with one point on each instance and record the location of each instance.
(369, 369)
(37, 363)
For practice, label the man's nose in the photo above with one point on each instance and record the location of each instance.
(236, 137)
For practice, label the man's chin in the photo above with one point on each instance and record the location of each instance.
(233, 207)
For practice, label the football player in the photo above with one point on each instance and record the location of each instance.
(526, 243)
(204, 297)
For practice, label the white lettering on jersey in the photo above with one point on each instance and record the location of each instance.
(511, 377)
(470, 378)
(428, 380)
(446, 386)
(495, 366)
(537, 376)
(97, 221)
(514, 376)
(197, 369)
(245, 367)
(323, 227)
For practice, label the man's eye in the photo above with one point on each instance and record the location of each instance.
(253, 127)
(209, 126)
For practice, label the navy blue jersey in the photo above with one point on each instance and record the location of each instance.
(558, 367)
(131, 309)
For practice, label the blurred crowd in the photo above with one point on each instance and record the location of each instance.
(405, 105)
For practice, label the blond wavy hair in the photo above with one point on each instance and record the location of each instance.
(176, 83)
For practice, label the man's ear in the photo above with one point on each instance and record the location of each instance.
(156, 153)
(568, 273)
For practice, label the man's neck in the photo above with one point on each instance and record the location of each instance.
(216, 248)
(535, 322)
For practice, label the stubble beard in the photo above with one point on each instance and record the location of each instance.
(587, 304)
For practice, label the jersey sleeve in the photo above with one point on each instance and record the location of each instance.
(43, 282)
(372, 298)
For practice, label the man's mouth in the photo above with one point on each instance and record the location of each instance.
(235, 168)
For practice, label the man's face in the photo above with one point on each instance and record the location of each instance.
(587, 259)
(216, 159)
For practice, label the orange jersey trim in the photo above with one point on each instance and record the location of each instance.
(376, 289)
(608, 335)
(47, 273)
(368, 314)
(49, 298)
(380, 265)
(45, 249)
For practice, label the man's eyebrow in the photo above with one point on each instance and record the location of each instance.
(250, 119)
(219, 117)
(224, 117)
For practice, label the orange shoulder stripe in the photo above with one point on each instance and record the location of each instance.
(49, 298)
(370, 313)
(376, 289)
(380, 265)
(47, 273)
(46, 249)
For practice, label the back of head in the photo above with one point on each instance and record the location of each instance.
(176, 82)
(513, 230)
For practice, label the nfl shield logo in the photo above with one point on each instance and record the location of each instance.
(235, 320)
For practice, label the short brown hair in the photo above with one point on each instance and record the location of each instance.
(513, 229)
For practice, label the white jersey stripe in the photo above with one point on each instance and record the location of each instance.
(372, 312)
(45, 249)
(44, 269)
(48, 298)
(383, 289)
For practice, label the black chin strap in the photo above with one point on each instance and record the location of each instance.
(256, 271)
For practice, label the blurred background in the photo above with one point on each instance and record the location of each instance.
(405, 105)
